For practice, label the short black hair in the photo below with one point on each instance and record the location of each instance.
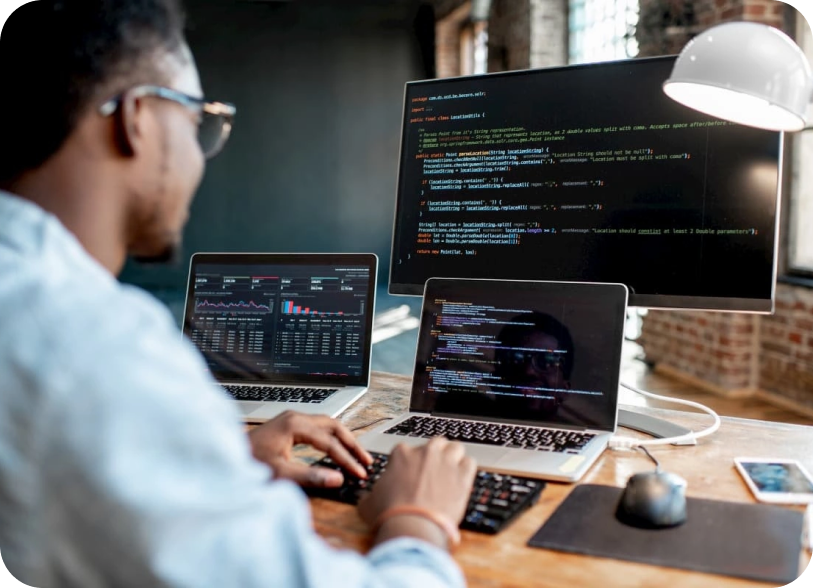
(57, 58)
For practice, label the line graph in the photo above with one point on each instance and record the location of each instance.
(205, 305)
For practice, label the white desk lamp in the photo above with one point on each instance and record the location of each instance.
(747, 73)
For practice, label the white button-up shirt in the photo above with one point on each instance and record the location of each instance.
(121, 461)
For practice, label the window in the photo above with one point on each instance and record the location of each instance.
(601, 30)
(461, 41)
(800, 244)
(480, 47)
(474, 48)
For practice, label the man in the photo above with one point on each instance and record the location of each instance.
(536, 353)
(109, 475)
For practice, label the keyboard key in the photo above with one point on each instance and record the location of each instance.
(279, 394)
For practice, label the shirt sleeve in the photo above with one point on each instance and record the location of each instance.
(153, 483)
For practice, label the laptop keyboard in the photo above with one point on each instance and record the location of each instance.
(279, 394)
(495, 499)
(535, 438)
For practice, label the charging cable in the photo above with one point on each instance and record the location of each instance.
(617, 442)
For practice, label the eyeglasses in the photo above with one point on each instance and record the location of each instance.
(215, 121)
(541, 361)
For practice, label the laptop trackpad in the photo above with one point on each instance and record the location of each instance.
(485, 455)
(246, 408)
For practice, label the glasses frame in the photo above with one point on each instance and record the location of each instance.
(534, 359)
(222, 109)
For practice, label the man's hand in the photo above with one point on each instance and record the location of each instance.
(437, 476)
(272, 443)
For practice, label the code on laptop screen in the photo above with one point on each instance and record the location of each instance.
(528, 351)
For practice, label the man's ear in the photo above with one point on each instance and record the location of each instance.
(128, 124)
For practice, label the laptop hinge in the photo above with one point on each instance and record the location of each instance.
(546, 425)
(278, 384)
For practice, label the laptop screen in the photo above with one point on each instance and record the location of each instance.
(280, 318)
(534, 352)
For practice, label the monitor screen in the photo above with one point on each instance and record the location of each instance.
(585, 173)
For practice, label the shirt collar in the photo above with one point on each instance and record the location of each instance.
(28, 229)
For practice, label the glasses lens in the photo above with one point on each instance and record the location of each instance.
(212, 133)
(546, 361)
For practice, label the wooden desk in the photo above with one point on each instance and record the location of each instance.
(504, 560)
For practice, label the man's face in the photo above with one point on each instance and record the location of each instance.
(540, 368)
(170, 168)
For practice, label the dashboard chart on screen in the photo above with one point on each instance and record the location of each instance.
(281, 319)
(585, 173)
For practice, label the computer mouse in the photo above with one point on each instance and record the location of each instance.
(653, 500)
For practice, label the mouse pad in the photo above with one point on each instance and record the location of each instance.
(753, 541)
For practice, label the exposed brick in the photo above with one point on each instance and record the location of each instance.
(735, 342)
(781, 317)
(804, 324)
(755, 10)
(779, 348)
(782, 304)
(795, 338)
(743, 329)
(774, 332)
(804, 355)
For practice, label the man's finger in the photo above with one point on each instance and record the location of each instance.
(324, 440)
(318, 430)
(306, 475)
(349, 440)
(336, 449)
(456, 451)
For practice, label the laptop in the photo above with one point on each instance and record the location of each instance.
(524, 373)
(284, 331)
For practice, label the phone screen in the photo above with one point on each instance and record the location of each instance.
(778, 477)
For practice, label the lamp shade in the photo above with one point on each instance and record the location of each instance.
(744, 72)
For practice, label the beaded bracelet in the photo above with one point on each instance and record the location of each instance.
(442, 521)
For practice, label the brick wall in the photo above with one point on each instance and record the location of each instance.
(717, 348)
(665, 26)
(728, 353)
(786, 346)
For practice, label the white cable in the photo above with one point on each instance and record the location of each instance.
(617, 442)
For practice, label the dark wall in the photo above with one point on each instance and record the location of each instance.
(312, 161)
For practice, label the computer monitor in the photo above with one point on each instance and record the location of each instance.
(585, 173)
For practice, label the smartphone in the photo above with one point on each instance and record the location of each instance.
(780, 481)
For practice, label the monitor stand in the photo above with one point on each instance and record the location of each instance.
(652, 425)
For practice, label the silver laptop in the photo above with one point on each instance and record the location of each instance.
(284, 331)
(524, 373)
